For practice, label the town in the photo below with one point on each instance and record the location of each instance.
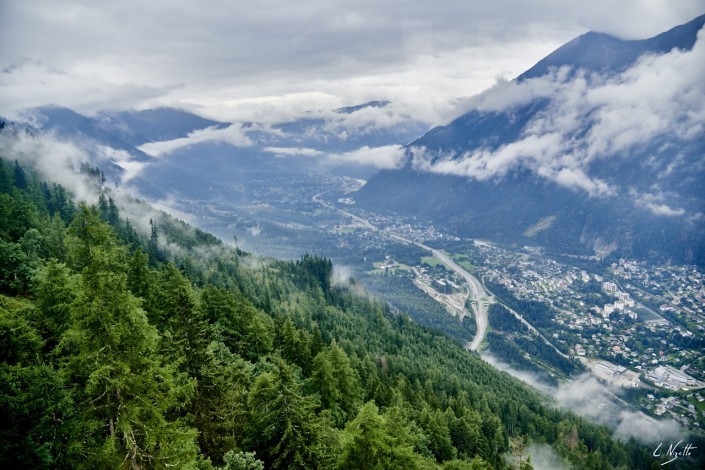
(636, 325)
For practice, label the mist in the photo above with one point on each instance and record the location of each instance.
(660, 96)
(600, 403)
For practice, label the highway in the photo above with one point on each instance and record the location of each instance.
(476, 292)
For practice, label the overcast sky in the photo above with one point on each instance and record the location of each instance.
(270, 60)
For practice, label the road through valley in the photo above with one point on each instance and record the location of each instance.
(476, 292)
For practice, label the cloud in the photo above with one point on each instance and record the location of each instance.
(386, 157)
(599, 403)
(524, 376)
(59, 161)
(123, 159)
(660, 96)
(294, 151)
(543, 457)
(214, 54)
(53, 159)
(590, 398)
(365, 120)
(655, 203)
(235, 135)
(32, 83)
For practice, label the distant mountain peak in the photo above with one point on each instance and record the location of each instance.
(369, 104)
(602, 52)
(574, 148)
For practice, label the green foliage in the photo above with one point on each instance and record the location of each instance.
(121, 384)
(371, 444)
(35, 407)
(15, 269)
(282, 428)
(368, 444)
(244, 329)
(241, 461)
(402, 292)
(219, 409)
(336, 382)
(115, 353)
(54, 289)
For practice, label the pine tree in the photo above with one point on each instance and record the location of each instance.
(219, 409)
(5, 178)
(35, 405)
(19, 176)
(103, 207)
(124, 389)
(282, 424)
(140, 277)
(367, 440)
(323, 379)
(346, 378)
(113, 214)
(153, 245)
(55, 238)
(188, 331)
(54, 291)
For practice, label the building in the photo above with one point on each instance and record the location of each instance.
(609, 287)
(612, 370)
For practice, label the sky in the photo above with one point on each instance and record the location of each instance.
(269, 61)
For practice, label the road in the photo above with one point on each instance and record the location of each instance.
(477, 294)
(476, 291)
(531, 328)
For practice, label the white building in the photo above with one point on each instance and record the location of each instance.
(609, 286)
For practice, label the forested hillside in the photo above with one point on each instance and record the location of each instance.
(170, 349)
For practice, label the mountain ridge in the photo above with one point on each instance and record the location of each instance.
(496, 171)
(603, 52)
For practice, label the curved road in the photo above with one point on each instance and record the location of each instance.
(476, 291)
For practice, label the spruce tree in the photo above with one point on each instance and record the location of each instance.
(123, 387)
(282, 425)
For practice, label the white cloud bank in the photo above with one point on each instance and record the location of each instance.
(226, 58)
(235, 135)
(384, 157)
(662, 95)
(588, 397)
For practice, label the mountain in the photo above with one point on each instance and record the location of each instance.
(181, 155)
(153, 125)
(601, 52)
(68, 124)
(597, 148)
(161, 343)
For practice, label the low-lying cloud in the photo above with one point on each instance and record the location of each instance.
(660, 96)
(294, 151)
(655, 203)
(598, 402)
(30, 83)
(53, 159)
(384, 157)
(60, 161)
(235, 135)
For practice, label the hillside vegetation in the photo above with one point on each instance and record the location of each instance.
(123, 350)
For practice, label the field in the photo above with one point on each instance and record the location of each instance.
(646, 314)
